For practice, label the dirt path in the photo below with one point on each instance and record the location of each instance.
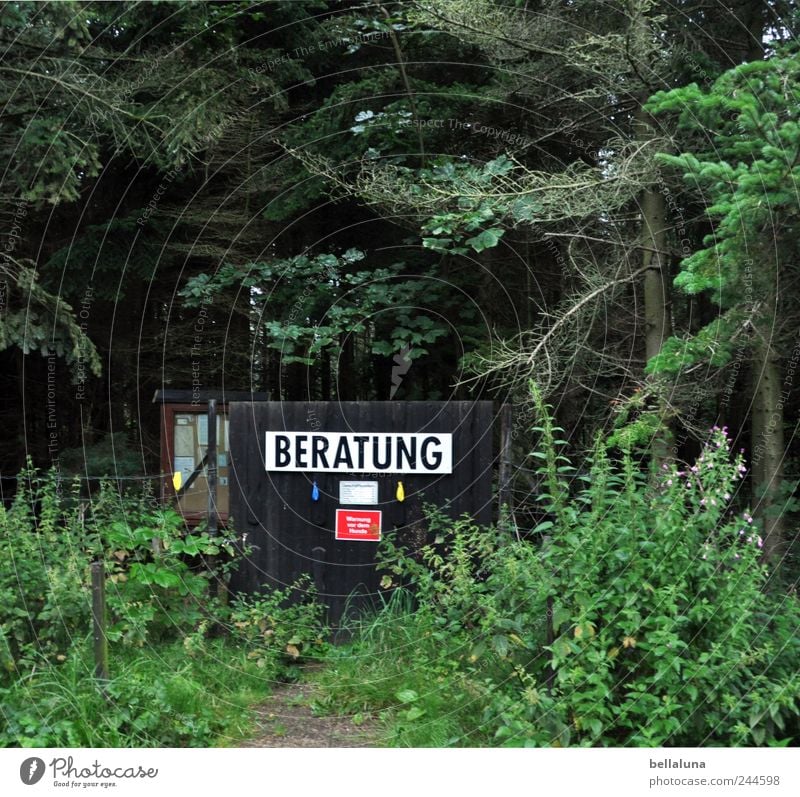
(287, 720)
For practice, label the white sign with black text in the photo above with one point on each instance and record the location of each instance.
(375, 452)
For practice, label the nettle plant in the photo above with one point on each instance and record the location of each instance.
(642, 616)
(158, 572)
(44, 595)
(663, 631)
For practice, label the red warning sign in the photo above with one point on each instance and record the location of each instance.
(358, 524)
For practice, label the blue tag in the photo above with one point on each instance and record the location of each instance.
(314, 492)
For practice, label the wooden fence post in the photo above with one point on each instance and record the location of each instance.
(99, 622)
(213, 516)
(211, 481)
(504, 497)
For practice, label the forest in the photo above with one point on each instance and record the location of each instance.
(585, 209)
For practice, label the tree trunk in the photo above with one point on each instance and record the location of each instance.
(658, 325)
(346, 388)
(768, 446)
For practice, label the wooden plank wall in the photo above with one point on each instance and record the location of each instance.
(294, 535)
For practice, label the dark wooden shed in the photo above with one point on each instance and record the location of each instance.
(311, 487)
(288, 510)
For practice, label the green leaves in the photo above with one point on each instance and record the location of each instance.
(561, 616)
(36, 320)
(486, 240)
(407, 696)
(321, 300)
(653, 600)
(154, 593)
(451, 229)
(151, 573)
(715, 344)
(741, 143)
(500, 645)
(650, 595)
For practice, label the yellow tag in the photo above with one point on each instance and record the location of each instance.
(177, 480)
(401, 493)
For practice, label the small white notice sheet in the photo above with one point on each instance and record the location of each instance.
(358, 492)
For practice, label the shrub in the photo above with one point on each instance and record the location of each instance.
(44, 599)
(48, 538)
(270, 625)
(642, 616)
(664, 631)
(112, 456)
(159, 577)
(177, 677)
(154, 591)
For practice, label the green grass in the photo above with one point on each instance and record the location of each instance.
(158, 696)
(404, 670)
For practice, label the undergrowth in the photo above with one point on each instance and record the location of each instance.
(157, 697)
(186, 660)
(641, 614)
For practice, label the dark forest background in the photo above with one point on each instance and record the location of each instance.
(416, 200)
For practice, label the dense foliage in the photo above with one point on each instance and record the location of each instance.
(642, 616)
(186, 663)
(476, 192)
(420, 199)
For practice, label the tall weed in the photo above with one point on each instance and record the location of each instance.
(640, 615)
